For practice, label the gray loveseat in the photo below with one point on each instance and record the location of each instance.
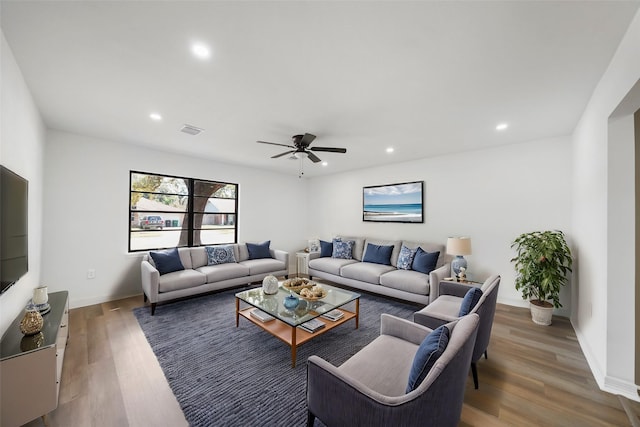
(389, 280)
(198, 277)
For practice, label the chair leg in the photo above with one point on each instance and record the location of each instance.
(485, 354)
(144, 296)
(474, 371)
(153, 308)
(310, 419)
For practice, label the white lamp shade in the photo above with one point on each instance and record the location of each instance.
(459, 246)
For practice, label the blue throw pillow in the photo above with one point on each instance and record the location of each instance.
(220, 254)
(405, 259)
(259, 250)
(167, 261)
(378, 254)
(425, 262)
(469, 301)
(342, 250)
(326, 248)
(429, 351)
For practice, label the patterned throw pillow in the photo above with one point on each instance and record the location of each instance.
(220, 254)
(342, 250)
(405, 259)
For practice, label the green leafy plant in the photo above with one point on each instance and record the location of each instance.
(542, 262)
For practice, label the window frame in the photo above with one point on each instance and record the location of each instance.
(189, 213)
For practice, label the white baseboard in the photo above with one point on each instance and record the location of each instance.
(83, 302)
(621, 387)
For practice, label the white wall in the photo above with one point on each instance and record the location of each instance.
(490, 195)
(87, 202)
(21, 150)
(604, 319)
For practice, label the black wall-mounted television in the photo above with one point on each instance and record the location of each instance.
(14, 213)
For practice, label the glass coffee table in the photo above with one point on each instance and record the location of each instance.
(285, 324)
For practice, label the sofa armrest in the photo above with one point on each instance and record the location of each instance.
(435, 277)
(280, 256)
(150, 280)
(314, 255)
(403, 329)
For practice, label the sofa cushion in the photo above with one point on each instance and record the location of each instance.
(378, 254)
(330, 265)
(167, 261)
(429, 351)
(263, 265)
(365, 271)
(428, 247)
(259, 250)
(221, 254)
(469, 301)
(406, 280)
(219, 272)
(342, 249)
(326, 248)
(182, 279)
(424, 262)
(405, 258)
(358, 246)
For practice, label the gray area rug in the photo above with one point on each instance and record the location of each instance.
(228, 376)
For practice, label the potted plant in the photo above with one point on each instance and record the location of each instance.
(542, 262)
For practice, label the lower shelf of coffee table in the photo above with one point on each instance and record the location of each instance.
(294, 336)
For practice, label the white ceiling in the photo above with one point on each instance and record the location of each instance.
(424, 77)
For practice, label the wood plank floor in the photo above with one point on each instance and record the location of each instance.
(535, 376)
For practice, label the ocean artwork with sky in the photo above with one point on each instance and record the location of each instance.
(393, 202)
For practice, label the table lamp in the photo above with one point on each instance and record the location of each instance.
(458, 246)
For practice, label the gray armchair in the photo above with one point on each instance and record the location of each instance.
(445, 308)
(369, 389)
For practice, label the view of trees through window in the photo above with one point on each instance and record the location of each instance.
(170, 211)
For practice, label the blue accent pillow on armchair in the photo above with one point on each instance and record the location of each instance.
(259, 250)
(167, 261)
(326, 249)
(469, 301)
(378, 254)
(429, 351)
(425, 262)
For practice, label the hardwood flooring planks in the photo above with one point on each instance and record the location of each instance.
(534, 376)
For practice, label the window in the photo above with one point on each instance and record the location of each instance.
(171, 211)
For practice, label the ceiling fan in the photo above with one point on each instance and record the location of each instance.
(301, 148)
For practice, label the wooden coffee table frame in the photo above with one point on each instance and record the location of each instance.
(292, 335)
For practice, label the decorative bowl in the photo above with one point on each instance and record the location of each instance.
(297, 284)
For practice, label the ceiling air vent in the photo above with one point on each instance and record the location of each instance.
(191, 130)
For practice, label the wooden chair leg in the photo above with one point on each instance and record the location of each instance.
(474, 371)
(310, 419)
(144, 297)
(153, 308)
(485, 354)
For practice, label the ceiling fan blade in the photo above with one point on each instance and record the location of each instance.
(283, 154)
(275, 143)
(307, 139)
(329, 149)
(313, 157)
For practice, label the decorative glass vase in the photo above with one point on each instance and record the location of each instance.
(32, 321)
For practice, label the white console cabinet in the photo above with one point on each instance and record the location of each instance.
(31, 366)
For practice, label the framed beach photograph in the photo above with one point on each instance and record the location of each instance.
(394, 202)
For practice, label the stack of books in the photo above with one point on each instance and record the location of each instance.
(312, 325)
(333, 315)
(261, 315)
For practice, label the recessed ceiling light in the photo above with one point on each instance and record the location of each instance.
(324, 163)
(390, 150)
(155, 116)
(502, 126)
(200, 50)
